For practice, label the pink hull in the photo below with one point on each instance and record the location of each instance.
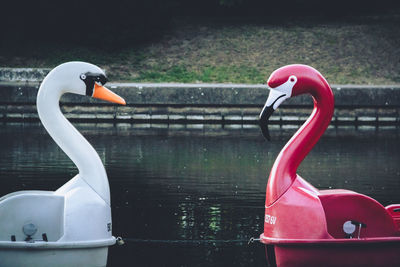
(344, 252)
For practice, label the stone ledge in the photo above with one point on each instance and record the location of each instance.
(209, 95)
(205, 104)
(23, 74)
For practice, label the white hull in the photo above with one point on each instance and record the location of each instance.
(50, 254)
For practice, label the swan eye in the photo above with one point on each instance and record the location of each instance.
(94, 77)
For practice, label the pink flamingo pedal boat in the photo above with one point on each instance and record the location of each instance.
(304, 226)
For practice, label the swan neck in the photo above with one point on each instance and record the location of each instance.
(77, 148)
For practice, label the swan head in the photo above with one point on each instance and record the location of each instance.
(285, 82)
(83, 79)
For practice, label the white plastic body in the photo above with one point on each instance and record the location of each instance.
(77, 217)
(280, 93)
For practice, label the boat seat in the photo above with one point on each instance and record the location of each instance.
(344, 205)
(43, 209)
(394, 211)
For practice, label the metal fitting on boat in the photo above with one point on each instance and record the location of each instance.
(120, 241)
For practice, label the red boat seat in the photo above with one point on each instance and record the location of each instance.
(344, 205)
(394, 211)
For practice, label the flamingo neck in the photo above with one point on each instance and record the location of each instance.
(284, 170)
(77, 148)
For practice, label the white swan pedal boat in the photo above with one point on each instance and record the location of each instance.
(72, 225)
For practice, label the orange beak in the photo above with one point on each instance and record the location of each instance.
(100, 92)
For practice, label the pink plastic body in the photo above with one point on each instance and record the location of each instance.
(303, 226)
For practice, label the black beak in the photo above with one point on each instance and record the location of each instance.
(89, 78)
(263, 121)
(267, 111)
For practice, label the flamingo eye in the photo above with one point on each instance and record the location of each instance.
(292, 79)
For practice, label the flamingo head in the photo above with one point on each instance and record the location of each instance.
(84, 79)
(285, 82)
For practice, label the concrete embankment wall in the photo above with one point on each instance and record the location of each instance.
(199, 103)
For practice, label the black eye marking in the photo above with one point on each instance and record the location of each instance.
(89, 78)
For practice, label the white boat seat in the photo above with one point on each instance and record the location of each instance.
(43, 209)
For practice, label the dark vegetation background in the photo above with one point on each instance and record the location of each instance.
(110, 24)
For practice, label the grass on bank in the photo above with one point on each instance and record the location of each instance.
(219, 74)
(362, 51)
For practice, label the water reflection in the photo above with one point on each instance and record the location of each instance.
(204, 183)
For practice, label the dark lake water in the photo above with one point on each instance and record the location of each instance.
(197, 183)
